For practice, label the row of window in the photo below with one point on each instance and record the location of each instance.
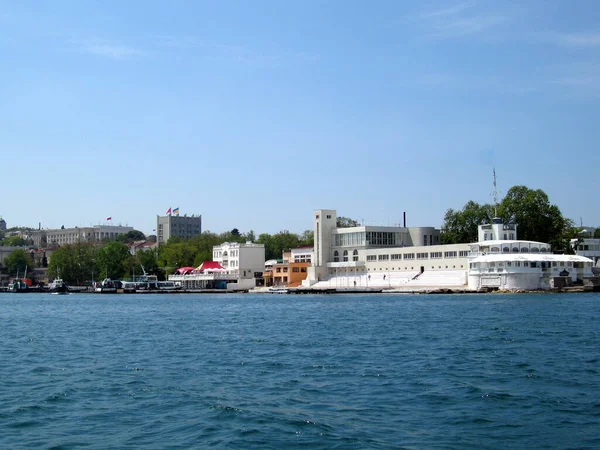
(400, 256)
(336, 256)
(516, 250)
(381, 269)
(588, 247)
(534, 264)
(490, 237)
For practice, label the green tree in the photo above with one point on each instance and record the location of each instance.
(17, 262)
(148, 259)
(231, 236)
(203, 246)
(346, 222)
(131, 236)
(597, 233)
(75, 263)
(113, 260)
(267, 240)
(461, 226)
(15, 241)
(176, 254)
(537, 219)
(277, 243)
(307, 237)
(249, 236)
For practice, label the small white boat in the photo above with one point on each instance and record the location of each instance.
(279, 290)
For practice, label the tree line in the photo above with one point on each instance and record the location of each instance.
(82, 263)
(537, 219)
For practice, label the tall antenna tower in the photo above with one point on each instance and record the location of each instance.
(495, 194)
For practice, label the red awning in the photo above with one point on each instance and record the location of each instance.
(210, 266)
(184, 270)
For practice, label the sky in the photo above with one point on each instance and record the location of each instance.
(256, 113)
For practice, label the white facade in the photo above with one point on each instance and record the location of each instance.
(97, 233)
(376, 256)
(526, 271)
(588, 247)
(501, 261)
(301, 254)
(356, 251)
(243, 263)
(248, 259)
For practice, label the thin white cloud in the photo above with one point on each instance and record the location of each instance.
(489, 84)
(107, 49)
(584, 79)
(451, 11)
(242, 54)
(113, 51)
(578, 40)
(581, 81)
(459, 20)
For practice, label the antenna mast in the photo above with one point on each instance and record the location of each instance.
(495, 194)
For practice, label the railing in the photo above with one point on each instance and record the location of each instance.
(205, 276)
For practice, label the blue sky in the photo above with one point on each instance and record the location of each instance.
(254, 114)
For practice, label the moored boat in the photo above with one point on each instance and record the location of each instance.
(106, 286)
(279, 290)
(58, 286)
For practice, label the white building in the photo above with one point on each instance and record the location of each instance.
(64, 236)
(381, 256)
(303, 253)
(501, 261)
(185, 227)
(241, 265)
(588, 247)
(400, 257)
(248, 259)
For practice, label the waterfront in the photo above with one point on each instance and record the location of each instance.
(345, 371)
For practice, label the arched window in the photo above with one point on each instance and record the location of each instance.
(355, 255)
(505, 250)
(515, 249)
(524, 250)
(543, 250)
(336, 256)
(345, 255)
(494, 250)
(535, 250)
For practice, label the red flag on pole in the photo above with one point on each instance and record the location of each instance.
(169, 211)
(109, 218)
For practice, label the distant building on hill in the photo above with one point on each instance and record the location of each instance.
(2, 224)
(182, 226)
(141, 246)
(65, 236)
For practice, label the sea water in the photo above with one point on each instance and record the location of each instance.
(299, 371)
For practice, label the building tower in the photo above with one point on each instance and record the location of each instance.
(182, 226)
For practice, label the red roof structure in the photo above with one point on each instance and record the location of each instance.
(184, 270)
(210, 266)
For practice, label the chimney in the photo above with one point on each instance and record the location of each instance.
(404, 219)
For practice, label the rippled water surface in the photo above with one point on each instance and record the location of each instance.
(332, 371)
